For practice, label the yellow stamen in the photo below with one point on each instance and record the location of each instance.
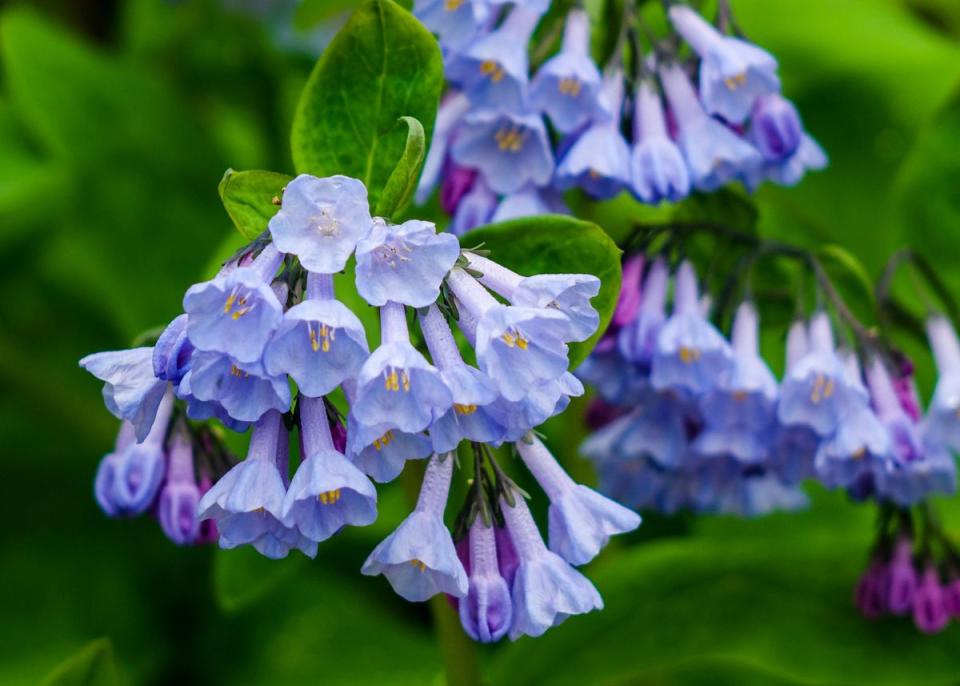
(452, 5)
(740, 396)
(419, 565)
(464, 409)
(734, 82)
(314, 343)
(860, 453)
(689, 355)
(229, 304)
(492, 69)
(509, 139)
(237, 372)
(383, 441)
(330, 497)
(569, 86)
(406, 382)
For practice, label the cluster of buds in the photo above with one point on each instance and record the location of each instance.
(498, 159)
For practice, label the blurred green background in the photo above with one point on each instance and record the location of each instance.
(117, 120)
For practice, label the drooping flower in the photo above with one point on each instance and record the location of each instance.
(452, 109)
(419, 559)
(545, 589)
(131, 392)
(567, 86)
(510, 150)
(486, 611)
(788, 151)
(492, 71)
(690, 353)
(733, 73)
(180, 494)
(637, 339)
(235, 314)
(320, 342)
(943, 416)
(381, 451)
(321, 220)
(173, 351)
(244, 391)
(404, 263)
(456, 22)
(658, 171)
(715, 155)
(930, 613)
(581, 520)
(527, 202)
(328, 492)
(475, 208)
(598, 161)
(901, 578)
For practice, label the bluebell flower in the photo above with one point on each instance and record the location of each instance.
(237, 312)
(598, 161)
(456, 22)
(244, 391)
(546, 589)
(816, 388)
(131, 392)
(690, 353)
(172, 351)
(180, 494)
(396, 385)
(328, 492)
(528, 202)
(510, 150)
(859, 449)
(201, 410)
(472, 391)
(788, 151)
(320, 343)
(452, 109)
(755, 495)
(658, 170)
(475, 208)
(793, 453)
(637, 339)
(492, 71)
(581, 520)
(733, 73)
(715, 155)
(404, 263)
(617, 383)
(321, 220)
(486, 611)
(381, 451)
(942, 422)
(567, 86)
(247, 501)
(656, 427)
(419, 558)
(541, 401)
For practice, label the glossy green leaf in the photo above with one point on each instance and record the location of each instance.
(92, 665)
(248, 198)
(383, 65)
(557, 244)
(403, 180)
(242, 576)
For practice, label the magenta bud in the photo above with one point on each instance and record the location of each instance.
(929, 606)
(902, 578)
(456, 183)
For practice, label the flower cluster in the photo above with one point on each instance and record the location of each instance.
(687, 419)
(271, 321)
(496, 159)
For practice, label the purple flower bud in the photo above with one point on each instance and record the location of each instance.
(172, 352)
(177, 505)
(775, 127)
(487, 610)
(902, 578)
(628, 301)
(929, 603)
(871, 592)
(457, 182)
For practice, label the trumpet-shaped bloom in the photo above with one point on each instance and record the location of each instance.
(715, 155)
(456, 22)
(733, 73)
(419, 559)
(236, 313)
(527, 202)
(510, 150)
(452, 109)
(173, 351)
(328, 492)
(546, 589)
(567, 86)
(860, 448)
(244, 391)
(131, 392)
(943, 417)
(180, 495)
(474, 209)
(381, 451)
(541, 401)
(775, 127)
(637, 340)
(487, 610)
(581, 520)
(405, 263)
(690, 353)
(493, 70)
(200, 410)
(658, 171)
(321, 221)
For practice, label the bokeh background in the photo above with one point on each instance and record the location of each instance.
(117, 120)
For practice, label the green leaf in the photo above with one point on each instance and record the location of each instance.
(557, 244)
(848, 270)
(242, 576)
(383, 65)
(725, 206)
(403, 180)
(248, 198)
(92, 665)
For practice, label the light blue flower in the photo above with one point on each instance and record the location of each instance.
(793, 453)
(567, 86)
(617, 383)
(328, 492)
(733, 73)
(637, 340)
(546, 589)
(469, 418)
(790, 171)
(715, 155)
(245, 391)
(788, 151)
(528, 202)
(598, 161)
(419, 559)
(382, 451)
(475, 208)
(860, 448)
(543, 400)
(456, 22)
(569, 293)
(492, 71)
(237, 312)
(581, 520)
(404, 263)
(510, 150)
(131, 392)
(320, 343)
(172, 352)
(942, 422)
(658, 170)
(690, 353)
(201, 410)
(758, 494)
(909, 483)
(321, 221)
(487, 610)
